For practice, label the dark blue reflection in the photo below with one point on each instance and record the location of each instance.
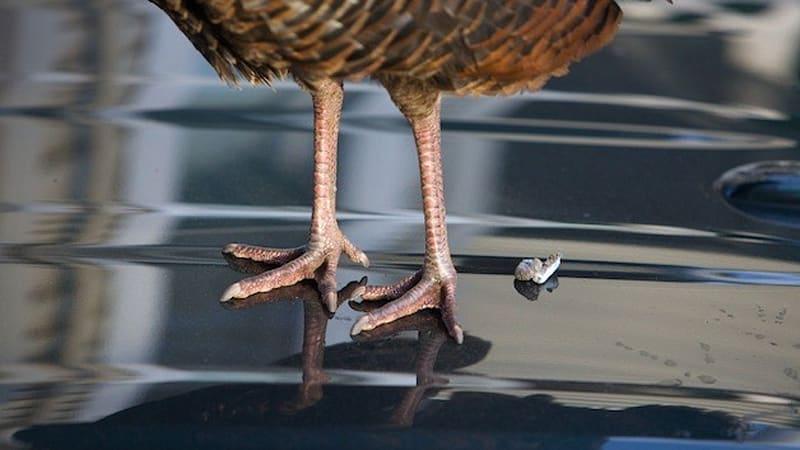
(255, 416)
(767, 190)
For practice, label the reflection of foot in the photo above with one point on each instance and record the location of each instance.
(414, 293)
(315, 325)
(318, 260)
(432, 337)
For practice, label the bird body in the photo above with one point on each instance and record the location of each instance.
(418, 49)
(456, 46)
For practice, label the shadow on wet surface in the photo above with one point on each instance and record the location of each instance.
(259, 415)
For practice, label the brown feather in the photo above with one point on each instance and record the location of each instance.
(458, 46)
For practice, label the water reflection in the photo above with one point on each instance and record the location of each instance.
(768, 190)
(531, 290)
(245, 417)
(471, 419)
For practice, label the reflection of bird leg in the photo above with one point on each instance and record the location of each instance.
(315, 325)
(428, 345)
(430, 341)
(431, 336)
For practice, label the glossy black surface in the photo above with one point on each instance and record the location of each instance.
(125, 166)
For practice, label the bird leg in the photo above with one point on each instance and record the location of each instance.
(319, 258)
(434, 286)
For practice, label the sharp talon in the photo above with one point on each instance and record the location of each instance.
(357, 292)
(352, 290)
(458, 334)
(362, 324)
(332, 301)
(230, 249)
(360, 289)
(233, 291)
(358, 257)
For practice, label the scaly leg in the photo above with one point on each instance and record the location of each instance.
(435, 285)
(320, 257)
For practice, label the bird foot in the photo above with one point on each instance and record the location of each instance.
(414, 293)
(318, 261)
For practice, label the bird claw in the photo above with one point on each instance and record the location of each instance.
(409, 295)
(318, 260)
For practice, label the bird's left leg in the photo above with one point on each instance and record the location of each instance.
(434, 286)
(319, 258)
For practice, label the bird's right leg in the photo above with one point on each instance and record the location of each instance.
(434, 286)
(319, 258)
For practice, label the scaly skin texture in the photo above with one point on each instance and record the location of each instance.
(320, 257)
(418, 49)
(435, 285)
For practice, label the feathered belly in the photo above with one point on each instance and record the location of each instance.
(460, 46)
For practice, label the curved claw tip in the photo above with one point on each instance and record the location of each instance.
(358, 292)
(331, 301)
(233, 291)
(362, 324)
(458, 334)
(229, 249)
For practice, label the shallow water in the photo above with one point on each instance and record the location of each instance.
(125, 166)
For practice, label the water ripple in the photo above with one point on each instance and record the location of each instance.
(149, 374)
(489, 265)
(590, 133)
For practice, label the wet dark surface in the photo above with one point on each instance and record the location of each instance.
(125, 166)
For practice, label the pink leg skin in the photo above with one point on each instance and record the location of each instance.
(435, 285)
(318, 259)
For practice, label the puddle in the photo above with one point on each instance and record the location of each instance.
(768, 190)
